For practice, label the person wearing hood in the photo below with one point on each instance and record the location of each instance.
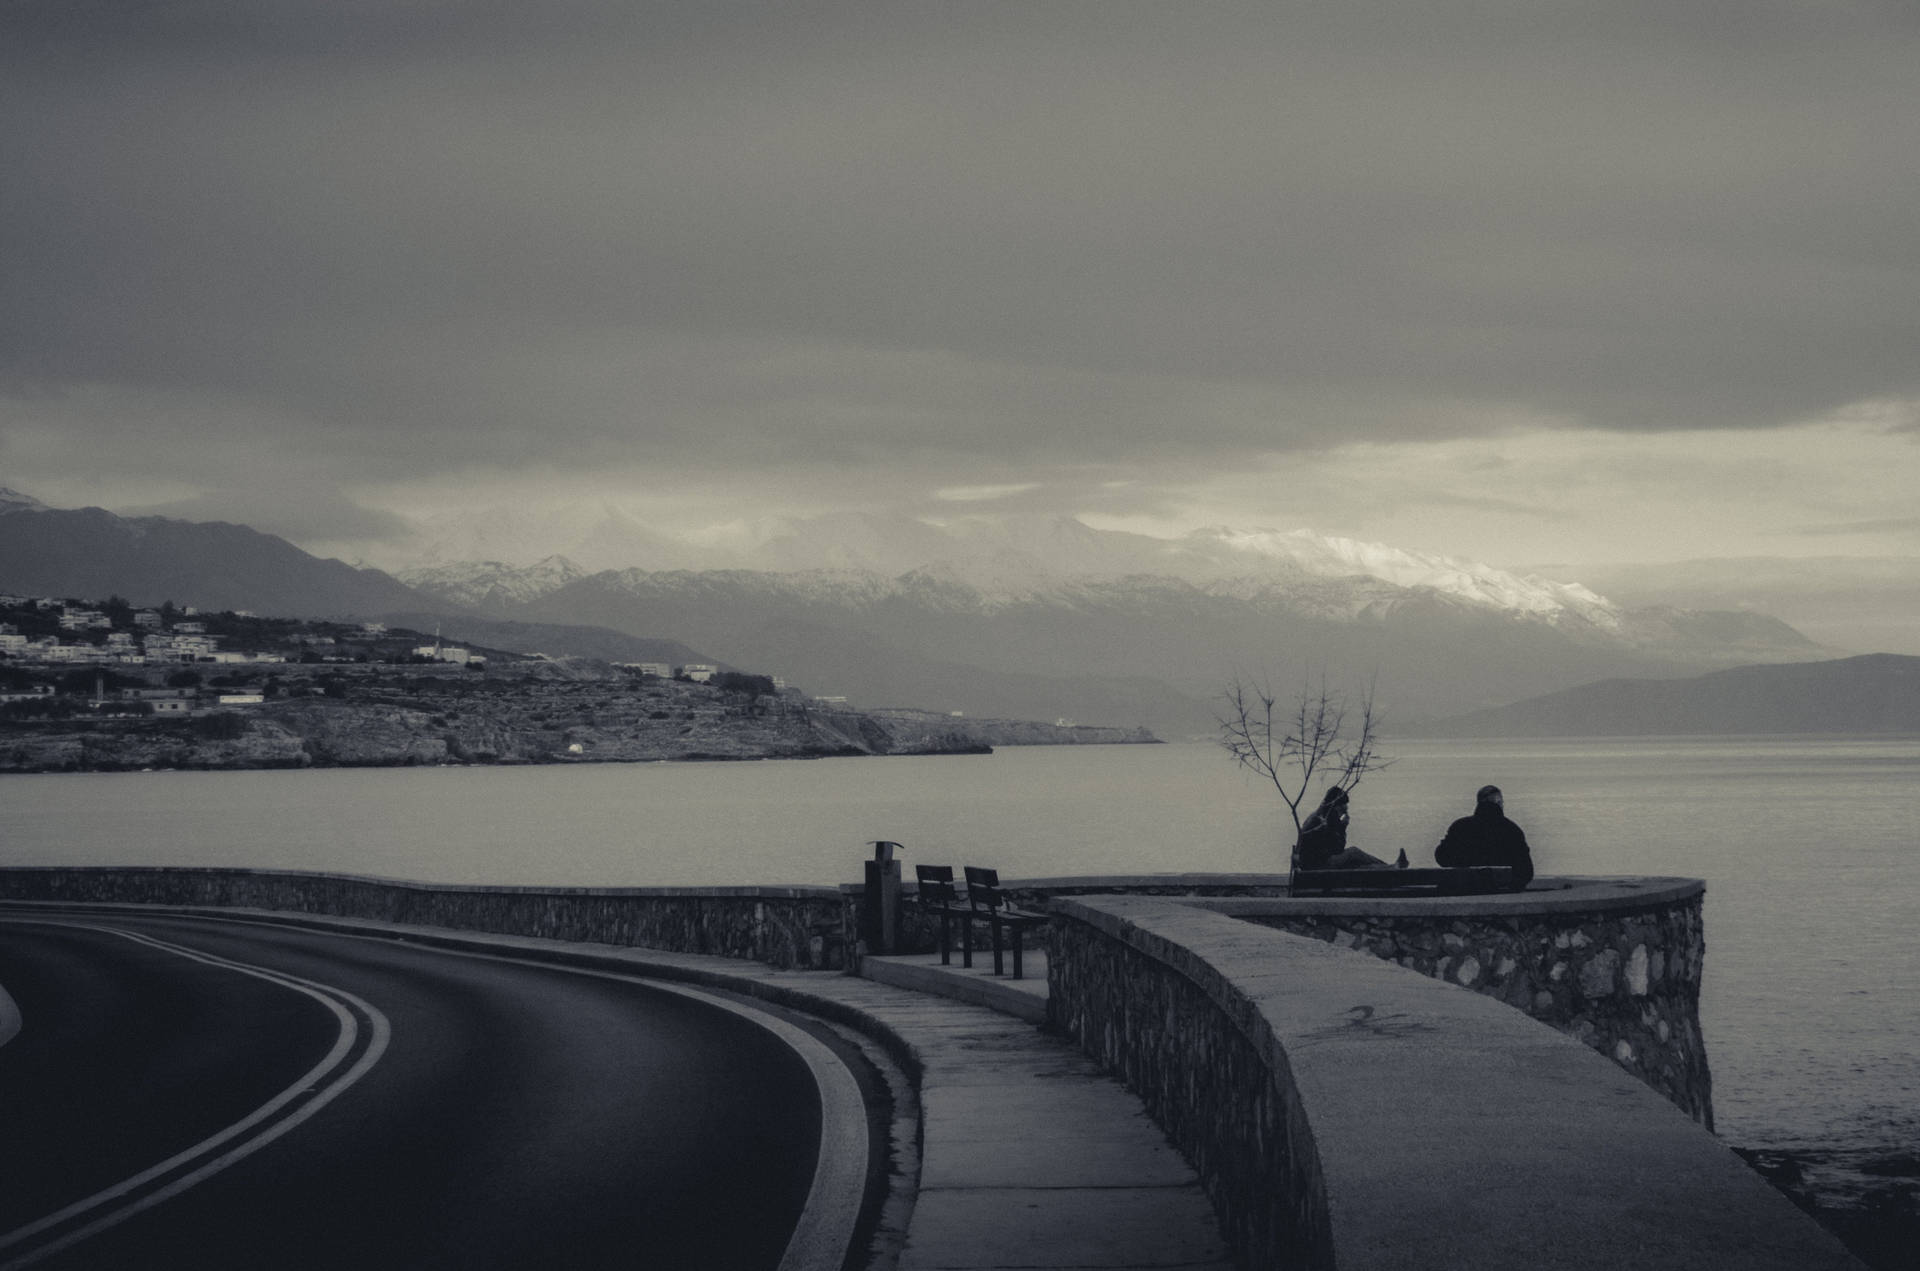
(1487, 838)
(1323, 839)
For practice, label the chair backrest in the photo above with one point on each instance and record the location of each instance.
(935, 883)
(983, 888)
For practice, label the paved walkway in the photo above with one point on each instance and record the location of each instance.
(1025, 998)
(1029, 1156)
(1033, 1158)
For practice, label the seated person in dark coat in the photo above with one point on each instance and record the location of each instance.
(1323, 839)
(1487, 838)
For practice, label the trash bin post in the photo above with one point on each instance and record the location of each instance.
(880, 910)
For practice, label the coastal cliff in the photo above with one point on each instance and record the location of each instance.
(471, 718)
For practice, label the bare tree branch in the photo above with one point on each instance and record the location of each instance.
(1306, 740)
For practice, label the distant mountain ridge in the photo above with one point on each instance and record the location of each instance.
(1872, 693)
(210, 564)
(491, 585)
(1145, 648)
(1004, 558)
(1036, 618)
(14, 501)
(213, 565)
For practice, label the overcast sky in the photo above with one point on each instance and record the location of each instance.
(1529, 281)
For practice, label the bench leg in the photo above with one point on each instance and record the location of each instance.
(946, 939)
(966, 942)
(1016, 951)
(999, 966)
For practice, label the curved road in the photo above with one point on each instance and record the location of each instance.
(210, 1094)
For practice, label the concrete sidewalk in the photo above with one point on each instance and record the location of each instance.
(1025, 998)
(1029, 1156)
(1032, 1157)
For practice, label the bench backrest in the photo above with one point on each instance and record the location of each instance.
(1477, 880)
(983, 889)
(936, 885)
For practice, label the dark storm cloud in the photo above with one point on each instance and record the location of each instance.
(399, 237)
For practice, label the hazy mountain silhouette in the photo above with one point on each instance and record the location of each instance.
(1873, 693)
(1147, 650)
(90, 554)
(93, 553)
(999, 635)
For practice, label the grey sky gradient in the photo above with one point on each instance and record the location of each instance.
(331, 261)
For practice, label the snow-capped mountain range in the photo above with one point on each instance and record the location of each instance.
(1007, 618)
(1055, 617)
(1008, 561)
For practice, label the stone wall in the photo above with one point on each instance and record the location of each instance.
(1623, 977)
(780, 926)
(1342, 1112)
(1212, 1076)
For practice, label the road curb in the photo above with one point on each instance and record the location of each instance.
(1029, 1154)
(675, 971)
(10, 1020)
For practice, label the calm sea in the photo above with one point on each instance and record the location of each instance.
(1809, 849)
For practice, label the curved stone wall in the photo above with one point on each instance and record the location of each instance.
(781, 926)
(1341, 1111)
(1613, 962)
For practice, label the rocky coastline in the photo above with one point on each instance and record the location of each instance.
(558, 715)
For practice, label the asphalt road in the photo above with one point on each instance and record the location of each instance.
(187, 1093)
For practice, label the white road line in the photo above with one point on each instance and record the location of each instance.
(332, 998)
(824, 1232)
(825, 1229)
(9, 1017)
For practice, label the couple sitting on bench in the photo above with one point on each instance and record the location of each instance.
(1485, 838)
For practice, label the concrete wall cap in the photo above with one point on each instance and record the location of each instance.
(1453, 1130)
(1559, 895)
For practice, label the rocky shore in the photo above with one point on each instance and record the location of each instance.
(569, 711)
(1870, 1200)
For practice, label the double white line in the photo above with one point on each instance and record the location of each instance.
(350, 1059)
(824, 1232)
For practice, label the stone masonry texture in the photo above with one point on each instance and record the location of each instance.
(784, 927)
(1625, 983)
(1221, 1095)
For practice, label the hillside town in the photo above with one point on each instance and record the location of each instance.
(59, 656)
(161, 659)
(108, 686)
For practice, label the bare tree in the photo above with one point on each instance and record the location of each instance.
(1308, 737)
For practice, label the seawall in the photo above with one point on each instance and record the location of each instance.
(786, 927)
(1614, 963)
(1342, 1112)
(1339, 1110)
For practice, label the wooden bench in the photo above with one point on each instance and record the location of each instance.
(1473, 881)
(987, 902)
(938, 896)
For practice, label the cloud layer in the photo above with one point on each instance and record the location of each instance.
(308, 247)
